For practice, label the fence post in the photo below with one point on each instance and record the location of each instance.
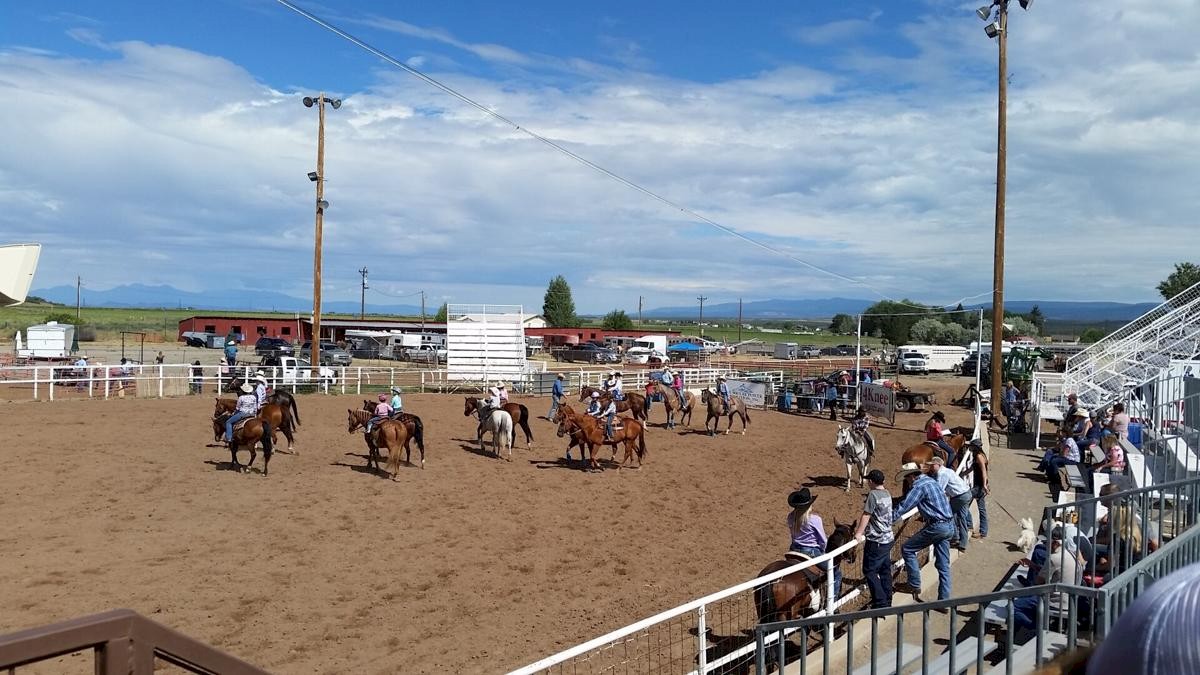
(160, 380)
(50, 385)
(358, 384)
(107, 382)
(343, 381)
(35, 383)
(701, 641)
(91, 376)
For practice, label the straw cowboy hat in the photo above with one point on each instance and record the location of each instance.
(801, 499)
(1081, 412)
(561, 376)
(246, 388)
(906, 469)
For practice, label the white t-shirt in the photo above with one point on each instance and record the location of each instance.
(1062, 566)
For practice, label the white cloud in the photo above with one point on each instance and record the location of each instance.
(881, 169)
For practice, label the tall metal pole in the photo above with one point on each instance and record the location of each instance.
(739, 319)
(998, 261)
(857, 362)
(78, 283)
(422, 311)
(315, 352)
(701, 321)
(639, 312)
(362, 302)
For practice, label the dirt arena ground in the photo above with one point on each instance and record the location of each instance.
(472, 565)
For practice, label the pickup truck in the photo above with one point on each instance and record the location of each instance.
(588, 353)
(425, 354)
(291, 371)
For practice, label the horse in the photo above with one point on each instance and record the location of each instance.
(590, 432)
(921, 454)
(633, 403)
(500, 423)
(277, 415)
(518, 411)
(855, 451)
(671, 403)
(566, 411)
(736, 407)
(801, 593)
(414, 427)
(386, 433)
(255, 430)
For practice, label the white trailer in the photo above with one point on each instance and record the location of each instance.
(48, 341)
(655, 343)
(938, 358)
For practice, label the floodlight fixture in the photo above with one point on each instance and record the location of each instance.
(984, 13)
(337, 102)
(308, 102)
(1025, 4)
(312, 175)
(992, 29)
(322, 204)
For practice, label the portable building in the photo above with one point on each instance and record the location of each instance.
(49, 341)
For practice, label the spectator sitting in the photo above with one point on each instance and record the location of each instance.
(1062, 566)
(1114, 456)
(1119, 424)
(1068, 453)
(1081, 425)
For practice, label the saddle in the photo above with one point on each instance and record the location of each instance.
(937, 450)
(814, 575)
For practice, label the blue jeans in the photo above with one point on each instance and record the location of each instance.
(555, 401)
(960, 506)
(235, 417)
(950, 451)
(981, 501)
(1025, 611)
(938, 536)
(371, 422)
(608, 424)
(1057, 462)
(877, 569)
(837, 572)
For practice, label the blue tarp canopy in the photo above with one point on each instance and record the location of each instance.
(684, 347)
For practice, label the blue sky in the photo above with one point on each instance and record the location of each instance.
(165, 143)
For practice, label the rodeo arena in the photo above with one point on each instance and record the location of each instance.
(741, 515)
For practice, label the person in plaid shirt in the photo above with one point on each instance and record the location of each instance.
(928, 497)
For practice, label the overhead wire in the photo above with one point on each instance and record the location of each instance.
(587, 162)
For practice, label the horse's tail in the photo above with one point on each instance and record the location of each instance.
(266, 437)
(419, 433)
(524, 424)
(295, 410)
(641, 449)
(746, 411)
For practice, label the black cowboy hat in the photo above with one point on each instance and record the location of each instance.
(801, 499)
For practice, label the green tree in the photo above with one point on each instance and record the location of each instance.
(64, 317)
(616, 320)
(1091, 335)
(440, 317)
(893, 320)
(558, 306)
(842, 324)
(1185, 276)
(1019, 326)
(926, 331)
(1036, 318)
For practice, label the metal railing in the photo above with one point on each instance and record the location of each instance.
(123, 642)
(1060, 614)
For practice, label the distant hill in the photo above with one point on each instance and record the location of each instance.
(827, 307)
(141, 295)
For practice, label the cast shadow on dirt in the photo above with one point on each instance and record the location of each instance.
(229, 466)
(827, 481)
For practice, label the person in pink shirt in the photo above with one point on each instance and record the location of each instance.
(1114, 461)
(382, 411)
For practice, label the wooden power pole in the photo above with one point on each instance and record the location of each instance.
(998, 260)
(362, 302)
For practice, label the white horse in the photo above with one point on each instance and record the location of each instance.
(500, 423)
(855, 452)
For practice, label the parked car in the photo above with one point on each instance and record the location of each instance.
(195, 338)
(331, 354)
(291, 371)
(968, 364)
(273, 346)
(913, 362)
(425, 354)
(808, 351)
(588, 353)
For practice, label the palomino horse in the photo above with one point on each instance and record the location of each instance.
(800, 593)
(414, 427)
(671, 403)
(385, 434)
(500, 423)
(517, 411)
(590, 433)
(924, 452)
(736, 407)
(278, 417)
(254, 430)
(855, 451)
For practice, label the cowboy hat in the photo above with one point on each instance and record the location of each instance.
(801, 499)
(947, 432)
(906, 469)
(595, 394)
(561, 376)
(260, 373)
(260, 378)
(1081, 412)
(720, 377)
(246, 388)
(395, 390)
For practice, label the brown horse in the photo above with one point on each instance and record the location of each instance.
(921, 454)
(590, 432)
(716, 410)
(255, 430)
(801, 593)
(274, 413)
(633, 403)
(414, 427)
(518, 411)
(671, 403)
(385, 434)
(565, 411)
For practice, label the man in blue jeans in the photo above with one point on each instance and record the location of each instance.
(875, 528)
(556, 396)
(930, 500)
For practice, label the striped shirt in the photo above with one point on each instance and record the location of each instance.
(929, 498)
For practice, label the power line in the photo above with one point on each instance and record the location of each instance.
(583, 160)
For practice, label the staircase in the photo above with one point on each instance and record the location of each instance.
(1137, 352)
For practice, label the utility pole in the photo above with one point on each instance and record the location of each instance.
(739, 319)
(319, 178)
(362, 302)
(701, 322)
(639, 312)
(422, 311)
(78, 283)
(1001, 174)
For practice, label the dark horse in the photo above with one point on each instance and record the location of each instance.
(414, 426)
(633, 403)
(801, 593)
(518, 411)
(274, 413)
(255, 430)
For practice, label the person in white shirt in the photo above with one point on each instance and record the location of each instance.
(959, 494)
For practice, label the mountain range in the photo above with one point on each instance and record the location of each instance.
(142, 295)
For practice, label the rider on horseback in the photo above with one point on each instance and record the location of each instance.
(673, 380)
(859, 427)
(613, 385)
(593, 408)
(260, 389)
(723, 392)
(396, 403)
(246, 406)
(382, 412)
(936, 432)
(501, 393)
(609, 413)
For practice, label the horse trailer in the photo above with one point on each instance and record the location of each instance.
(787, 350)
(938, 358)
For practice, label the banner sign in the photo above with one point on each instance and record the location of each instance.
(879, 401)
(753, 393)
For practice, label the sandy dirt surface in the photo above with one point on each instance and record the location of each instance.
(472, 565)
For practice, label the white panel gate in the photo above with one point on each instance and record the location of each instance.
(485, 343)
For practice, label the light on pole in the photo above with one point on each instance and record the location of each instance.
(998, 29)
(318, 177)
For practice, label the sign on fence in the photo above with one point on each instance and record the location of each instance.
(753, 393)
(878, 400)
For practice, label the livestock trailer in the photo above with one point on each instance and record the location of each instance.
(49, 341)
